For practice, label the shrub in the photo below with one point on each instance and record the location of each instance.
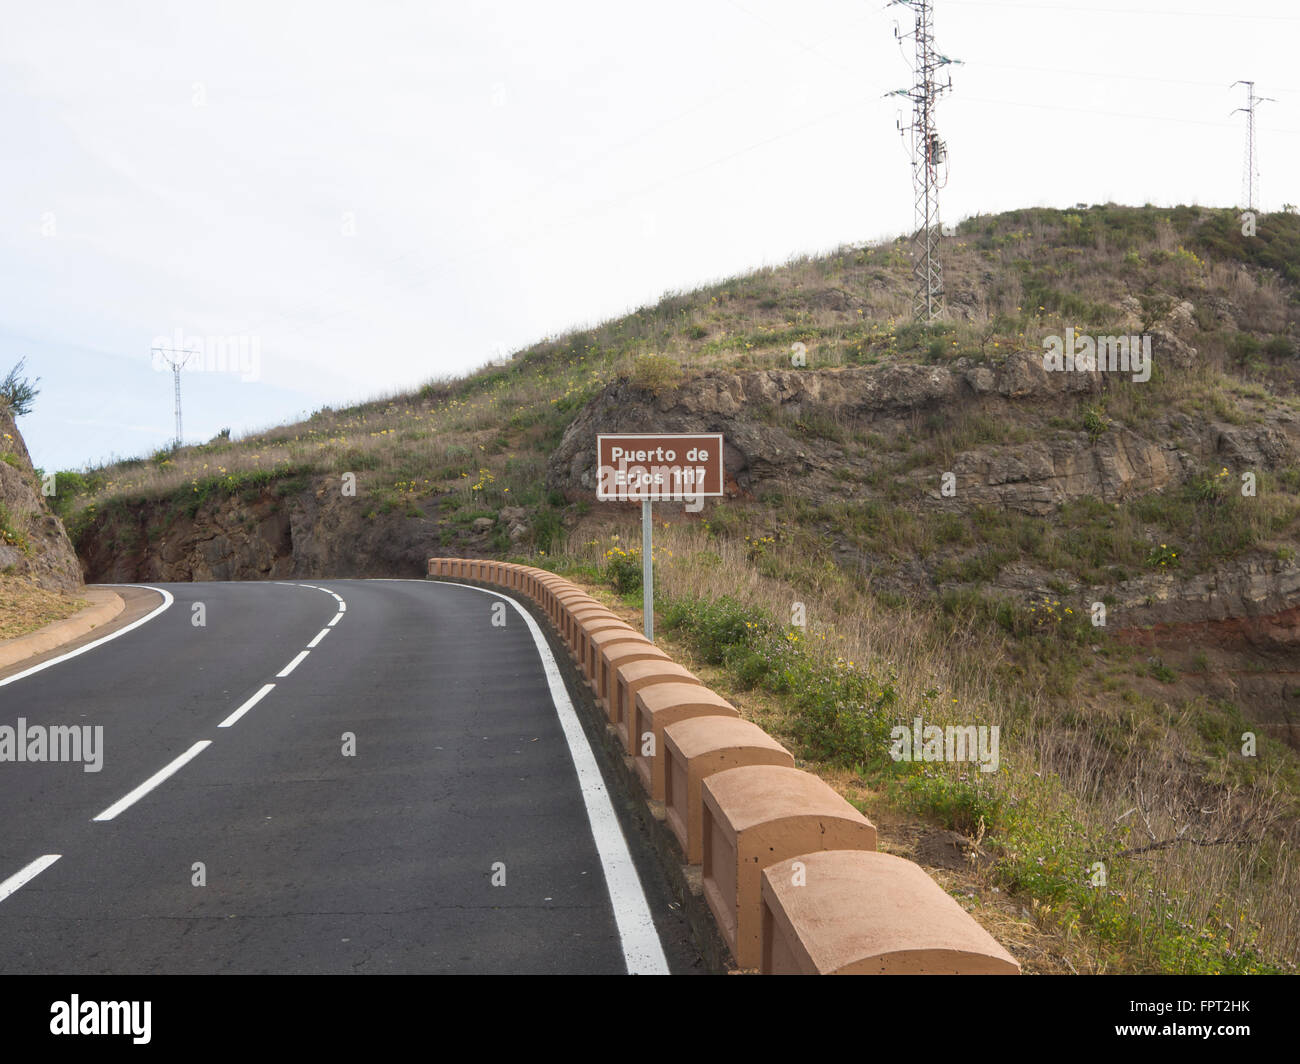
(623, 569)
(656, 374)
(17, 392)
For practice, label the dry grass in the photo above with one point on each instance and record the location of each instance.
(26, 608)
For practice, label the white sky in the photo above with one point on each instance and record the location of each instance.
(513, 169)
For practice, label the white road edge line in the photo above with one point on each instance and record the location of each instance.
(234, 717)
(158, 777)
(317, 641)
(166, 603)
(643, 952)
(22, 878)
(292, 665)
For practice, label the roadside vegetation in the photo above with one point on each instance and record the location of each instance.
(26, 608)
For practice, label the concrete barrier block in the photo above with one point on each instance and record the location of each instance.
(633, 677)
(575, 616)
(755, 817)
(611, 656)
(569, 609)
(595, 635)
(695, 749)
(659, 705)
(564, 598)
(546, 585)
(853, 912)
(528, 581)
(580, 621)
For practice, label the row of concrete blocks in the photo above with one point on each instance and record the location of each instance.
(789, 868)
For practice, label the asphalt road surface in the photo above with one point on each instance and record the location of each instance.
(416, 794)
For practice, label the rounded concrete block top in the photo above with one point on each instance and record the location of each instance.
(617, 654)
(762, 794)
(698, 736)
(595, 611)
(861, 912)
(602, 633)
(655, 698)
(633, 672)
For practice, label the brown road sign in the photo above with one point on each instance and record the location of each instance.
(639, 466)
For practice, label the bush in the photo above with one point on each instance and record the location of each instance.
(17, 392)
(844, 713)
(656, 374)
(623, 569)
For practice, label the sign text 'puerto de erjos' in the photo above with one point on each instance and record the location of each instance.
(643, 466)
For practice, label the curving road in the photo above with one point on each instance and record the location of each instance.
(384, 853)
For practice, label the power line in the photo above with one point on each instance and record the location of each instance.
(1052, 9)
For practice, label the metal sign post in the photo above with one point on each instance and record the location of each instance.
(647, 569)
(646, 467)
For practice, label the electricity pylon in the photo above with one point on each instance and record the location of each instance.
(1251, 180)
(177, 360)
(929, 160)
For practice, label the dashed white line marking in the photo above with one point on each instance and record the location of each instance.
(337, 617)
(316, 642)
(20, 879)
(158, 777)
(247, 706)
(343, 606)
(292, 665)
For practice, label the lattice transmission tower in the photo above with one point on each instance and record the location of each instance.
(929, 159)
(177, 360)
(1250, 182)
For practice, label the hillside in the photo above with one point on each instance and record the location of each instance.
(1122, 743)
(39, 574)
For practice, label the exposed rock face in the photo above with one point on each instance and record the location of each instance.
(1032, 477)
(37, 546)
(315, 533)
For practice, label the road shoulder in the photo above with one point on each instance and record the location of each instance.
(110, 610)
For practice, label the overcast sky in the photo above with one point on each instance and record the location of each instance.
(373, 194)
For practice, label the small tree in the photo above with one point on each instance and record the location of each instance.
(17, 391)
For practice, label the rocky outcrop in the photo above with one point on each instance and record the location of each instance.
(753, 411)
(317, 532)
(33, 542)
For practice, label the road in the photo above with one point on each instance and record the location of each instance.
(415, 795)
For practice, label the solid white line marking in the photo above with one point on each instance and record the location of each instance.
(316, 642)
(337, 617)
(166, 603)
(158, 777)
(247, 706)
(292, 665)
(20, 879)
(642, 950)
